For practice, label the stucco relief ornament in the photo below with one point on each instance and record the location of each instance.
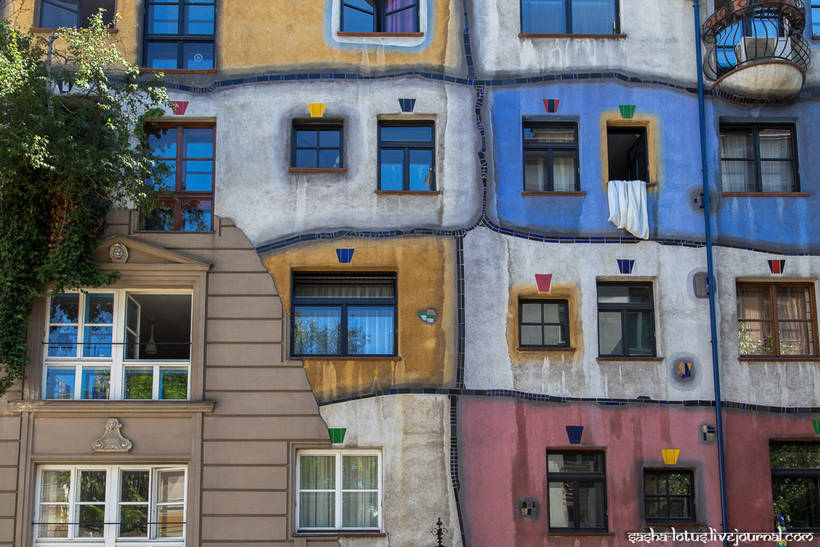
(112, 440)
(118, 253)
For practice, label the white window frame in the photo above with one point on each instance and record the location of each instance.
(112, 507)
(116, 364)
(395, 41)
(338, 491)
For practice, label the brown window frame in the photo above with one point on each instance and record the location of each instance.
(773, 320)
(180, 194)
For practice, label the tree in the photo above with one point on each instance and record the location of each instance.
(66, 157)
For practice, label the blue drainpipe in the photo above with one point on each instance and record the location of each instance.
(711, 278)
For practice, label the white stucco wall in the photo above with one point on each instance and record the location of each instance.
(495, 263)
(413, 434)
(660, 41)
(253, 151)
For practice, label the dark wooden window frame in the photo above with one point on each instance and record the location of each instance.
(179, 38)
(773, 320)
(575, 479)
(797, 472)
(739, 128)
(567, 4)
(380, 17)
(521, 323)
(690, 496)
(407, 146)
(324, 125)
(180, 194)
(624, 309)
(548, 150)
(343, 304)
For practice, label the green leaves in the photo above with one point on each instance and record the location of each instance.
(71, 147)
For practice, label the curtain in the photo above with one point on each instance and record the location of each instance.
(370, 330)
(593, 16)
(400, 15)
(360, 496)
(563, 171)
(737, 174)
(343, 287)
(777, 175)
(317, 507)
(794, 315)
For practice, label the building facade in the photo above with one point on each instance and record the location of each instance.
(389, 292)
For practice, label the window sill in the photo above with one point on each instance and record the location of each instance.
(765, 194)
(173, 232)
(180, 70)
(659, 525)
(408, 192)
(578, 533)
(49, 30)
(544, 348)
(528, 36)
(348, 357)
(775, 358)
(317, 169)
(341, 534)
(349, 34)
(631, 359)
(546, 193)
(98, 407)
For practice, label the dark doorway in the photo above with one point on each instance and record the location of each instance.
(628, 154)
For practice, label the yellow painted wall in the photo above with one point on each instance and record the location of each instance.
(426, 278)
(264, 35)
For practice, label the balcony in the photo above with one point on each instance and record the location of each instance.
(757, 53)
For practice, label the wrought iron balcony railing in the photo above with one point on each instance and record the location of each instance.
(750, 32)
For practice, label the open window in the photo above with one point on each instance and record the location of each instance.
(627, 153)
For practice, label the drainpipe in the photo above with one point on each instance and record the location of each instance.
(711, 278)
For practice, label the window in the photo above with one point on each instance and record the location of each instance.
(344, 314)
(577, 490)
(758, 159)
(550, 157)
(543, 323)
(626, 322)
(73, 13)
(179, 34)
(380, 16)
(82, 503)
(406, 156)
(338, 489)
(569, 17)
(796, 483)
(776, 319)
(317, 146)
(668, 495)
(118, 345)
(188, 151)
(815, 18)
(627, 153)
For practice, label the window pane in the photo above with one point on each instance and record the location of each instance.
(306, 138)
(164, 327)
(531, 312)
(197, 215)
(737, 144)
(407, 133)
(540, 134)
(198, 56)
(796, 338)
(575, 462)
(306, 158)
(543, 17)
(796, 498)
(134, 486)
(64, 308)
(91, 7)
(317, 509)
(170, 520)
(171, 486)
(199, 143)
(753, 302)
(53, 521)
(329, 138)
(199, 176)
(370, 330)
(330, 158)
(561, 504)
(133, 521)
(591, 504)
(92, 486)
(317, 472)
(421, 170)
(593, 16)
(92, 520)
(95, 383)
(55, 485)
(679, 483)
(62, 342)
(563, 171)
(99, 308)
(322, 286)
(97, 342)
(399, 18)
(776, 144)
(360, 472)
(59, 13)
(755, 338)
(316, 330)
(535, 172)
(639, 333)
(555, 312)
(60, 383)
(163, 142)
(652, 483)
(199, 19)
(357, 20)
(738, 176)
(173, 384)
(531, 335)
(392, 167)
(795, 455)
(610, 333)
(163, 19)
(613, 294)
(777, 176)
(360, 509)
(554, 335)
(160, 219)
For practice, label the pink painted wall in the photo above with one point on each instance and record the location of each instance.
(503, 447)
